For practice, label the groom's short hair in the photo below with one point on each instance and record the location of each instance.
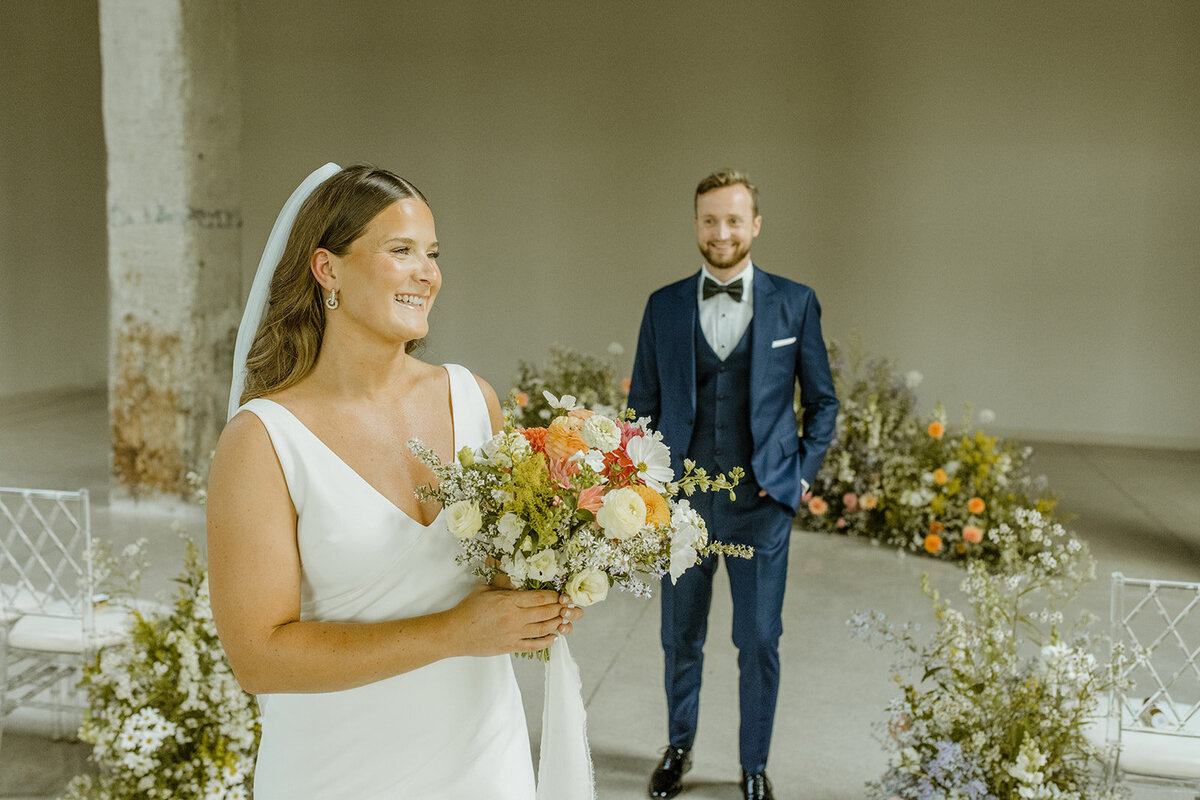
(727, 177)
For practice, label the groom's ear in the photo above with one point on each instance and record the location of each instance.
(321, 265)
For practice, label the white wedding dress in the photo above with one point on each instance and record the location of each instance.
(453, 729)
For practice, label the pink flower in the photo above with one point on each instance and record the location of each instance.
(592, 498)
(972, 534)
(561, 470)
(841, 522)
(850, 501)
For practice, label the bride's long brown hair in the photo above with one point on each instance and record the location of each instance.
(288, 341)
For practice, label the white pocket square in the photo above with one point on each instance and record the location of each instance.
(783, 342)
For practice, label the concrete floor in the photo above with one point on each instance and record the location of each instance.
(1138, 509)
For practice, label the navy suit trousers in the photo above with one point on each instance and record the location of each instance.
(757, 586)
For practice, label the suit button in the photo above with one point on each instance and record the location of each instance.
(720, 426)
(721, 368)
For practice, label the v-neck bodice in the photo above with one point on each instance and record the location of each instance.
(445, 730)
(357, 547)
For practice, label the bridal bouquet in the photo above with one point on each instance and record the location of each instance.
(585, 503)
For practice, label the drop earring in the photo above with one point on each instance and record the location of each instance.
(332, 302)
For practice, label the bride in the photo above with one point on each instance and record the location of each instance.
(380, 665)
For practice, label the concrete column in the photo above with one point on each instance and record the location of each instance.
(172, 124)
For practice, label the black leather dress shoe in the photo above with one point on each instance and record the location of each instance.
(756, 786)
(667, 780)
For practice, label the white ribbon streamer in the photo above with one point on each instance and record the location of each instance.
(565, 766)
(260, 290)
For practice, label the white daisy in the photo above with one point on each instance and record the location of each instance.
(652, 459)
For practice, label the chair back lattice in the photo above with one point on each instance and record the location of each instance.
(45, 537)
(1162, 618)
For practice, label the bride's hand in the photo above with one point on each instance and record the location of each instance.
(571, 613)
(491, 621)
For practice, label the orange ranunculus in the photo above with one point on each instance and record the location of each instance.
(522, 399)
(868, 501)
(940, 476)
(625, 384)
(563, 439)
(976, 505)
(936, 429)
(536, 438)
(818, 506)
(657, 511)
(933, 543)
(936, 527)
(972, 534)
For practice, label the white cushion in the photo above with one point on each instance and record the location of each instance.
(63, 634)
(1161, 753)
(16, 601)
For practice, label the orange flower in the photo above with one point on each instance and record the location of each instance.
(976, 505)
(936, 429)
(972, 534)
(625, 384)
(580, 413)
(563, 439)
(536, 438)
(940, 476)
(936, 527)
(657, 511)
(850, 501)
(592, 498)
(868, 501)
(522, 399)
(960, 548)
(818, 506)
(933, 543)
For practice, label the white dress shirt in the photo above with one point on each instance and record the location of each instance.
(723, 319)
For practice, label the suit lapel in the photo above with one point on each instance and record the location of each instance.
(679, 344)
(762, 325)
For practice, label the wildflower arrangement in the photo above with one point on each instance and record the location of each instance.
(916, 483)
(997, 702)
(591, 379)
(582, 504)
(165, 715)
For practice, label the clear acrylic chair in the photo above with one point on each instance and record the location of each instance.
(48, 618)
(1155, 724)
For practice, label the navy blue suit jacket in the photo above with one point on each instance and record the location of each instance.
(663, 385)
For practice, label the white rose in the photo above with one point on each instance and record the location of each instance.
(600, 433)
(516, 567)
(587, 587)
(510, 528)
(623, 514)
(463, 519)
(543, 566)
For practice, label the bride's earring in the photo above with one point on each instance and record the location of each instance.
(332, 302)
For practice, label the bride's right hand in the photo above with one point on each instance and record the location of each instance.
(491, 621)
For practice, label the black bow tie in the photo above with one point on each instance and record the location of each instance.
(734, 290)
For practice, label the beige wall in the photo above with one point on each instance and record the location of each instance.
(53, 245)
(1002, 195)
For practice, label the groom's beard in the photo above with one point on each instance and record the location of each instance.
(724, 260)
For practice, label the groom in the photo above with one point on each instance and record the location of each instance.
(718, 357)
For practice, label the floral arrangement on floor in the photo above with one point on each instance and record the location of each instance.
(584, 503)
(1001, 699)
(568, 371)
(165, 715)
(915, 483)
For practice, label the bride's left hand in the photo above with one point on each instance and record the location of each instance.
(570, 613)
